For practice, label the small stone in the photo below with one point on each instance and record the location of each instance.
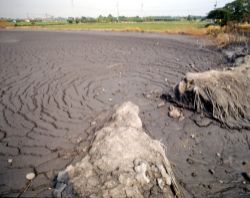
(60, 186)
(211, 171)
(174, 112)
(79, 140)
(141, 173)
(230, 55)
(181, 118)
(62, 176)
(202, 121)
(190, 161)
(218, 154)
(192, 136)
(239, 61)
(147, 95)
(247, 174)
(166, 80)
(205, 122)
(182, 86)
(161, 104)
(93, 123)
(57, 193)
(110, 99)
(30, 176)
(193, 174)
(164, 174)
(10, 161)
(244, 182)
(160, 183)
(221, 181)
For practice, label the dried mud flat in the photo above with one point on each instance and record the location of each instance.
(57, 88)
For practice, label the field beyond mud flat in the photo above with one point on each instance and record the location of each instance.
(57, 88)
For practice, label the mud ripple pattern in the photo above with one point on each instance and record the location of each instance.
(53, 85)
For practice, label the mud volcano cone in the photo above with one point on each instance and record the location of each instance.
(123, 161)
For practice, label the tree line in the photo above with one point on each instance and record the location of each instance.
(237, 11)
(110, 18)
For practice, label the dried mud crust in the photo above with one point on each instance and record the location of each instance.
(55, 91)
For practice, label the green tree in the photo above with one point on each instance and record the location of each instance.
(83, 19)
(220, 16)
(100, 19)
(110, 18)
(189, 18)
(70, 20)
(77, 20)
(236, 11)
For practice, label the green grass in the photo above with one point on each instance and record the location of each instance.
(171, 26)
(20, 24)
(144, 26)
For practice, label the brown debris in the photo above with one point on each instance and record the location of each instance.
(175, 113)
(223, 95)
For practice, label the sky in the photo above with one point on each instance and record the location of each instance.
(94, 8)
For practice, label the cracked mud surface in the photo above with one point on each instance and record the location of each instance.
(57, 87)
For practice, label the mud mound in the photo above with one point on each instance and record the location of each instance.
(224, 95)
(123, 161)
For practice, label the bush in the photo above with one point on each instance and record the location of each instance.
(220, 16)
(77, 20)
(70, 20)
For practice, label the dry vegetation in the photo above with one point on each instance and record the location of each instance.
(230, 34)
(221, 94)
(222, 36)
(5, 24)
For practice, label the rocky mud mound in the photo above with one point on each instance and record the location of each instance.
(224, 95)
(123, 161)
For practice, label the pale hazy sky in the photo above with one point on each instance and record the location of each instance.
(65, 8)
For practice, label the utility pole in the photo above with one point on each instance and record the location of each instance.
(142, 10)
(72, 6)
(215, 5)
(117, 7)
